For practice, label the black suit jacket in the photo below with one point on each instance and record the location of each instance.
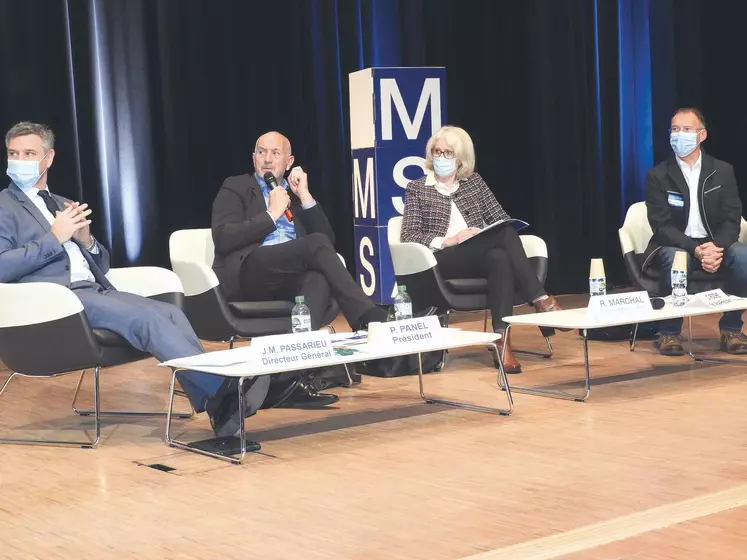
(240, 223)
(718, 199)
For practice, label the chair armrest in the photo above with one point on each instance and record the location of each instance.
(146, 281)
(36, 302)
(411, 258)
(534, 246)
(197, 278)
(627, 244)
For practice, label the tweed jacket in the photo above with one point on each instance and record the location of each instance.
(427, 212)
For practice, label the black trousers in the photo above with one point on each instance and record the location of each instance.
(499, 256)
(309, 267)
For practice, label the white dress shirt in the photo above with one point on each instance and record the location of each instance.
(456, 220)
(79, 269)
(695, 228)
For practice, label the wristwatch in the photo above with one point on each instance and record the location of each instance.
(92, 245)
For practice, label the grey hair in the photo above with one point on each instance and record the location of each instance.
(25, 128)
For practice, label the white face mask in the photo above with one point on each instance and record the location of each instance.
(25, 173)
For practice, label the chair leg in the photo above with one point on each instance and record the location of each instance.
(633, 336)
(82, 412)
(90, 444)
(11, 376)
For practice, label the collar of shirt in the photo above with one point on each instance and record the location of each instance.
(686, 169)
(446, 190)
(32, 192)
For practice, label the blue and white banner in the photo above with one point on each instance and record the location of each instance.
(393, 113)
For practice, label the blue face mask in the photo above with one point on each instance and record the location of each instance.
(24, 173)
(683, 143)
(444, 167)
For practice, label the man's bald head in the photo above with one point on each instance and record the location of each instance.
(272, 153)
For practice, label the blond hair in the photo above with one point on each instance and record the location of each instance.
(459, 141)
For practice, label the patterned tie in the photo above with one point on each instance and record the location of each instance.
(50, 202)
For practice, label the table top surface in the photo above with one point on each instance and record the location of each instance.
(242, 362)
(581, 319)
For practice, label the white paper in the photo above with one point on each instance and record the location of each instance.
(221, 358)
(513, 222)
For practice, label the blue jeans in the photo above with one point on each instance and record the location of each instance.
(735, 265)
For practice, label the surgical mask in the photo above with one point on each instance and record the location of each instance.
(683, 143)
(25, 173)
(444, 167)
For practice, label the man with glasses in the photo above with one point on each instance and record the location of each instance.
(693, 206)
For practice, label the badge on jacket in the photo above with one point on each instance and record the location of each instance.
(675, 199)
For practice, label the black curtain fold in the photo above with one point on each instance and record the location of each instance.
(193, 83)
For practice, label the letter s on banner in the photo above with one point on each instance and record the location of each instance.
(398, 174)
(365, 263)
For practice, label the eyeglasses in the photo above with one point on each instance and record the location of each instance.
(448, 154)
(676, 129)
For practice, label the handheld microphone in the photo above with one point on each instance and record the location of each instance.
(272, 182)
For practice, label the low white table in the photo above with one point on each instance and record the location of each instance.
(580, 319)
(242, 368)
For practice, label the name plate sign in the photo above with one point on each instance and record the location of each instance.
(405, 332)
(619, 303)
(294, 350)
(715, 299)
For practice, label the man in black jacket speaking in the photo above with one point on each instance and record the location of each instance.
(693, 205)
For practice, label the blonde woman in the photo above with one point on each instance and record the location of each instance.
(450, 205)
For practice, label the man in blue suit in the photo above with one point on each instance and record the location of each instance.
(47, 238)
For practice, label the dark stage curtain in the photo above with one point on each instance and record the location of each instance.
(155, 102)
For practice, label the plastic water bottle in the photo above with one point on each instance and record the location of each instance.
(300, 316)
(679, 287)
(597, 279)
(402, 304)
(598, 286)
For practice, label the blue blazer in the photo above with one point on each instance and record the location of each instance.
(29, 251)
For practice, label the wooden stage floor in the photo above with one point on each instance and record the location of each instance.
(653, 466)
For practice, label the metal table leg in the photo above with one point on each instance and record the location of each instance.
(502, 376)
(703, 358)
(559, 394)
(212, 447)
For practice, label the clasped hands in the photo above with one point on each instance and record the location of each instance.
(73, 223)
(710, 256)
(460, 237)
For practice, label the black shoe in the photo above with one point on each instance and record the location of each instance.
(303, 396)
(223, 408)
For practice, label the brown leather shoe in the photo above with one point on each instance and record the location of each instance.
(510, 363)
(733, 342)
(669, 345)
(548, 304)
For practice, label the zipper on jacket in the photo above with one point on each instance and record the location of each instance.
(702, 204)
